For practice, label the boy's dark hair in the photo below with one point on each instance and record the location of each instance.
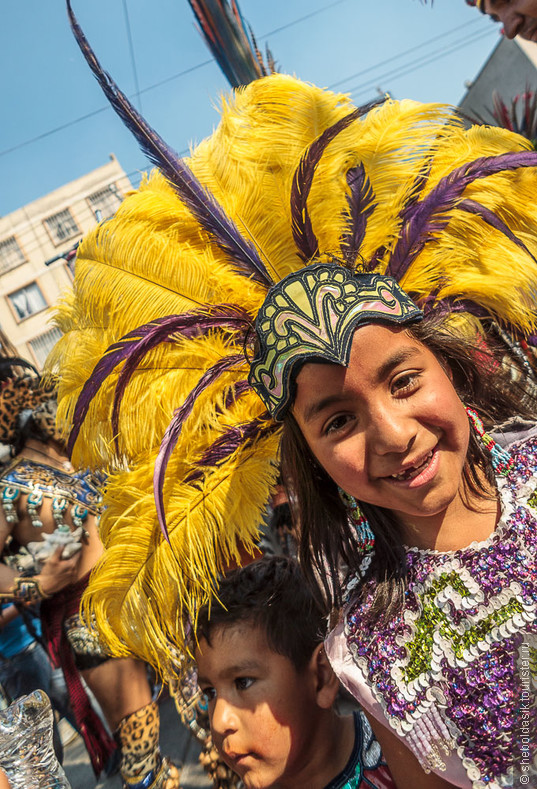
(272, 594)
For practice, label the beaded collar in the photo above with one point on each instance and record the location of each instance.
(452, 672)
(40, 481)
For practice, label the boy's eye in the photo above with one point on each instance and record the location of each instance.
(209, 693)
(243, 683)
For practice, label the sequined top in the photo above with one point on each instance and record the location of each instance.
(38, 481)
(455, 673)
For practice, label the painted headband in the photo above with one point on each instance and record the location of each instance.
(480, 4)
(312, 314)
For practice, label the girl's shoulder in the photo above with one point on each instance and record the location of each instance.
(514, 432)
(520, 438)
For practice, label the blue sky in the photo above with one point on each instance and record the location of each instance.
(55, 122)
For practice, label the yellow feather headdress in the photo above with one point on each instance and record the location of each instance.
(155, 330)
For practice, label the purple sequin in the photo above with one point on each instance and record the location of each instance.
(465, 616)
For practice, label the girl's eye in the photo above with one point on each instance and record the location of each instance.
(405, 384)
(243, 683)
(338, 423)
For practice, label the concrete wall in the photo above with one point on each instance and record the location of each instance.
(511, 68)
(35, 230)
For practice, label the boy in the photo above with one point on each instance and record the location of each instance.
(271, 689)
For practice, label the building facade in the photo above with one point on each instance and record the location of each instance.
(37, 244)
(510, 71)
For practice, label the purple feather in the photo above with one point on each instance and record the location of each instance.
(240, 388)
(429, 216)
(139, 341)
(196, 197)
(303, 234)
(114, 355)
(223, 316)
(361, 206)
(237, 390)
(451, 304)
(488, 216)
(173, 431)
(412, 199)
(230, 441)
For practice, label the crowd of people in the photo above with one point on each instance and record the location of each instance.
(328, 339)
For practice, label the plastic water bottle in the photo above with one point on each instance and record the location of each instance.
(26, 752)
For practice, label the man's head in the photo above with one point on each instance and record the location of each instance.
(518, 17)
(263, 668)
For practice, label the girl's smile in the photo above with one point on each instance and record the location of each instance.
(390, 428)
(418, 473)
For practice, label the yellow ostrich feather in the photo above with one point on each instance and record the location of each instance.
(153, 259)
(144, 590)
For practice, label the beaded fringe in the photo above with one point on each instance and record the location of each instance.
(428, 739)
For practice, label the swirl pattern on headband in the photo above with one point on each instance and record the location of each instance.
(312, 314)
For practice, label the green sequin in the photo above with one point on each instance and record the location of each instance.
(532, 501)
(433, 618)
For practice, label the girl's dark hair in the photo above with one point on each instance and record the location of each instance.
(327, 544)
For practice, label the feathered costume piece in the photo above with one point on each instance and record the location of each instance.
(231, 41)
(518, 115)
(154, 361)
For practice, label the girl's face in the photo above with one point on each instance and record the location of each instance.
(390, 428)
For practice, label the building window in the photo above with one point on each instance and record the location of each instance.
(41, 346)
(11, 255)
(105, 202)
(62, 226)
(27, 301)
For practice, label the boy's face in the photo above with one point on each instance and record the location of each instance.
(262, 710)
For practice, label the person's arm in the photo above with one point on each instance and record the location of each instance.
(55, 575)
(57, 572)
(8, 614)
(404, 767)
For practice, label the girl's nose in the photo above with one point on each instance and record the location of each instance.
(390, 431)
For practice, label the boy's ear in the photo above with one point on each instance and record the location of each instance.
(326, 682)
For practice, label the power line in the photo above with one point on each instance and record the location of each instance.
(155, 85)
(420, 62)
(185, 72)
(320, 10)
(402, 54)
(131, 50)
(92, 114)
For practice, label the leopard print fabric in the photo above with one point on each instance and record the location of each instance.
(44, 417)
(138, 736)
(16, 396)
(141, 762)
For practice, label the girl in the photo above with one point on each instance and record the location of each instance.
(394, 475)
(403, 523)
